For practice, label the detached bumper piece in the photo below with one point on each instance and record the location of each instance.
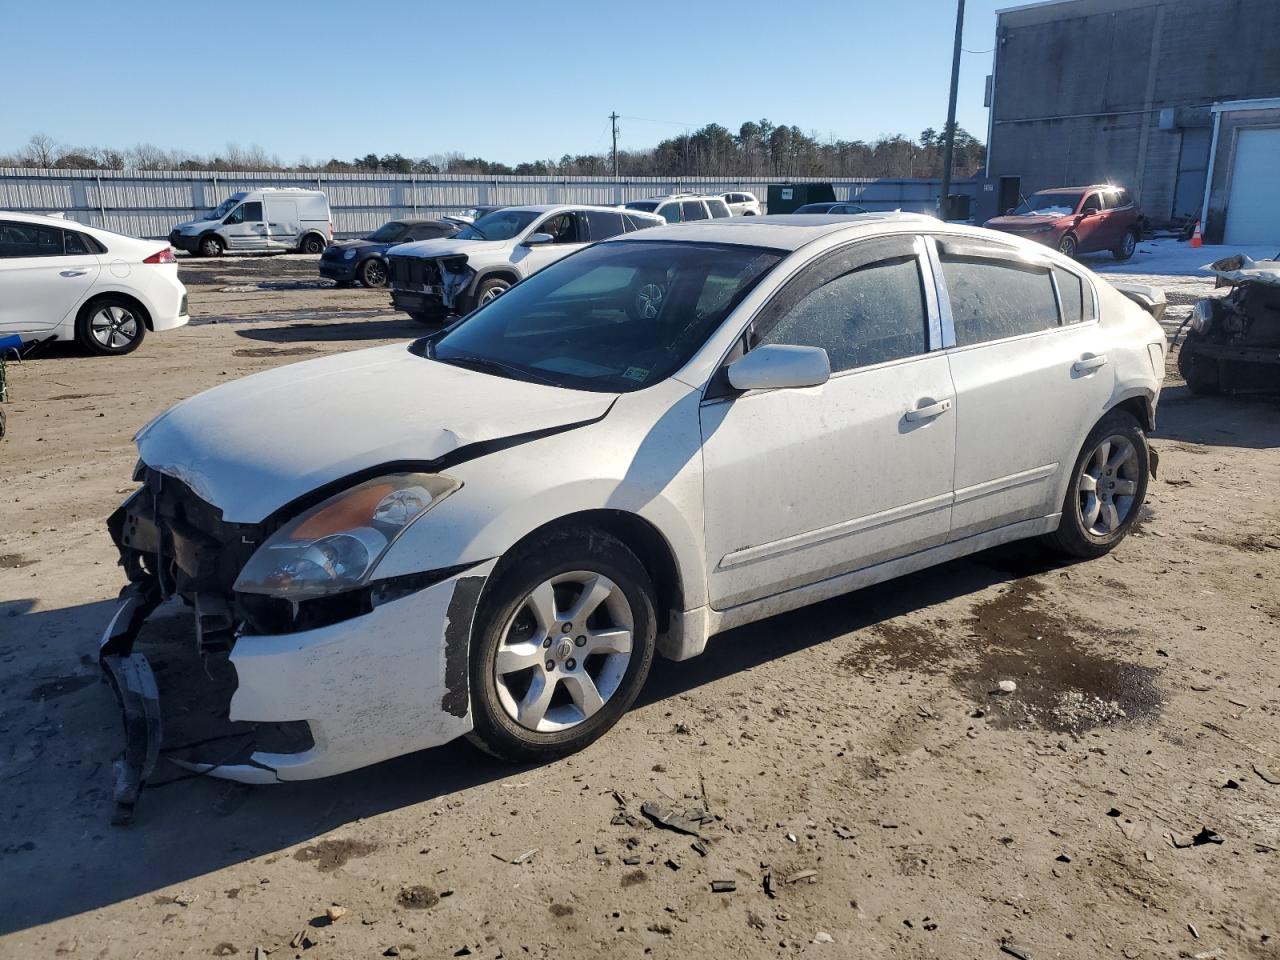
(134, 685)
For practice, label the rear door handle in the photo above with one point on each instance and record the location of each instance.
(929, 412)
(1088, 364)
(72, 273)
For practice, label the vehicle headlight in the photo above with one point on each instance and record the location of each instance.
(349, 255)
(1202, 315)
(335, 546)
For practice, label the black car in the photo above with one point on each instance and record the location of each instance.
(365, 260)
(829, 207)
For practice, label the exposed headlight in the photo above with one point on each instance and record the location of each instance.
(335, 546)
(1202, 315)
(349, 255)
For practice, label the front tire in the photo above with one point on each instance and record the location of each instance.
(563, 641)
(110, 326)
(1108, 487)
(373, 273)
(211, 245)
(489, 290)
(1068, 246)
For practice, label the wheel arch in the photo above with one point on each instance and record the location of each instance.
(1139, 403)
(132, 299)
(302, 240)
(640, 536)
(501, 271)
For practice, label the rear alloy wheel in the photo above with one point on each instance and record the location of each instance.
(211, 245)
(110, 326)
(1067, 246)
(312, 244)
(1108, 487)
(1128, 244)
(373, 273)
(563, 641)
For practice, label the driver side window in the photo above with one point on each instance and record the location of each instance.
(563, 228)
(246, 213)
(861, 309)
(1094, 201)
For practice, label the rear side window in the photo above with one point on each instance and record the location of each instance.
(992, 300)
(872, 314)
(604, 224)
(77, 243)
(1071, 290)
(718, 208)
(693, 210)
(671, 211)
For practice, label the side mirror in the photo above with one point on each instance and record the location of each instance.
(777, 366)
(538, 239)
(1090, 212)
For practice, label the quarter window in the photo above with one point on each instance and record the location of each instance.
(993, 300)
(871, 314)
(671, 211)
(1071, 291)
(718, 208)
(74, 243)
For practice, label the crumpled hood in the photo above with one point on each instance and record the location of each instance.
(444, 247)
(251, 446)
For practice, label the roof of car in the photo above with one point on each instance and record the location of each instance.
(680, 196)
(784, 232)
(1094, 186)
(554, 207)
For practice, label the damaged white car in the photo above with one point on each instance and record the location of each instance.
(432, 279)
(490, 531)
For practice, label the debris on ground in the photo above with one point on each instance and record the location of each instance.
(671, 820)
(1015, 950)
(823, 937)
(1006, 686)
(1266, 774)
(527, 855)
(724, 886)
(335, 913)
(802, 875)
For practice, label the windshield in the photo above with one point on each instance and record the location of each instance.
(389, 232)
(648, 206)
(1047, 205)
(499, 225)
(616, 317)
(222, 209)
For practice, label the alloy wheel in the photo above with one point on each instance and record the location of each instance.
(491, 292)
(1107, 486)
(1067, 246)
(1128, 244)
(114, 327)
(564, 652)
(375, 274)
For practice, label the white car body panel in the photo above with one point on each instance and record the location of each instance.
(42, 296)
(765, 501)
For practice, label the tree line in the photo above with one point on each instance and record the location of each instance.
(759, 149)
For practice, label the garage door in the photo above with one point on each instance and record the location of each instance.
(1253, 206)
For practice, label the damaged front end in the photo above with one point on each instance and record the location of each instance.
(301, 662)
(429, 284)
(1233, 345)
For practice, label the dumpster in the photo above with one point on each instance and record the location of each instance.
(786, 197)
(9, 346)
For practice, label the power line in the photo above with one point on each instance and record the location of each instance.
(673, 123)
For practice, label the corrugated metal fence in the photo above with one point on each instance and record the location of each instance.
(148, 203)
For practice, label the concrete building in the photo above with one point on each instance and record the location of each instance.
(1179, 100)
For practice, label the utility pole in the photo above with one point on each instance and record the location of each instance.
(613, 118)
(950, 131)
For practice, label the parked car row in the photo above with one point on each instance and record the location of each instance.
(491, 532)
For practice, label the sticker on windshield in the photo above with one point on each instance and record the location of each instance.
(639, 374)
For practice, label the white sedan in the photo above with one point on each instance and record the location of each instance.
(62, 279)
(491, 531)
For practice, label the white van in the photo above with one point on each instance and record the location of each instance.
(267, 219)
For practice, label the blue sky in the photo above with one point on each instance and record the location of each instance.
(504, 80)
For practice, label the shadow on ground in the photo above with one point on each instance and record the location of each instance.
(60, 857)
(1246, 422)
(394, 329)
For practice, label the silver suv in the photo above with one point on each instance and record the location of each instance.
(681, 207)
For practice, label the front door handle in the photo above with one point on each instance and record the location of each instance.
(929, 412)
(1089, 364)
(72, 273)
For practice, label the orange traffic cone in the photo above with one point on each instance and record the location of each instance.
(1196, 239)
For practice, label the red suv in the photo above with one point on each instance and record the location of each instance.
(1077, 220)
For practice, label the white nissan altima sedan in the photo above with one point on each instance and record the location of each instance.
(491, 531)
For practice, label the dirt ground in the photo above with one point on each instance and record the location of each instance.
(868, 794)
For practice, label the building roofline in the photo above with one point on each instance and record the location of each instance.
(1262, 103)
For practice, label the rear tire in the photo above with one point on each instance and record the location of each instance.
(528, 614)
(211, 245)
(1107, 489)
(312, 244)
(1128, 244)
(110, 326)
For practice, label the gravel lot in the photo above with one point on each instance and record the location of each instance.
(869, 795)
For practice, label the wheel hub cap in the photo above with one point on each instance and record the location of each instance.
(564, 652)
(1107, 486)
